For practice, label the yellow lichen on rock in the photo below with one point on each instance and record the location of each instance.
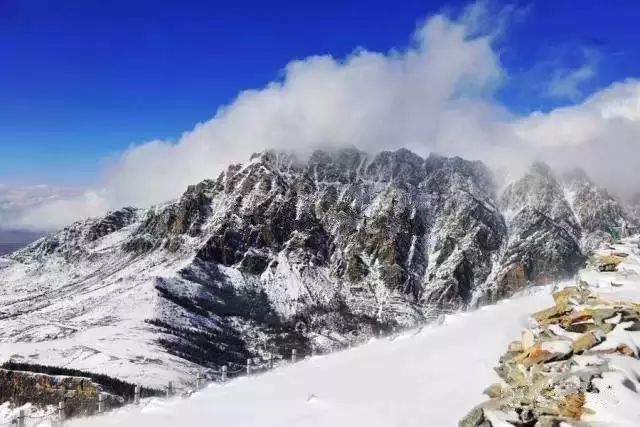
(606, 263)
(585, 342)
(572, 406)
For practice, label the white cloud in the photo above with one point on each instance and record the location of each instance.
(437, 95)
(46, 207)
(567, 83)
(403, 98)
(601, 134)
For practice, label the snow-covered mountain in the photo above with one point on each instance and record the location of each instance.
(283, 253)
(433, 375)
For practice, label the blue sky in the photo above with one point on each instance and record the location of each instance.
(80, 80)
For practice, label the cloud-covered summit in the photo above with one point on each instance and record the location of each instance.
(437, 94)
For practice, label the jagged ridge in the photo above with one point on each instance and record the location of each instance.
(283, 252)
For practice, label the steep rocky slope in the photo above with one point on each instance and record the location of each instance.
(595, 209)
(543, 240)
(284, 253)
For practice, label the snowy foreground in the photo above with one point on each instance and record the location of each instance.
(427, 377)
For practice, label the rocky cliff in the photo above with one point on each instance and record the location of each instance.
(283, 253)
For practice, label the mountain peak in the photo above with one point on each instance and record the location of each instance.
(540, 168)
(290, 251)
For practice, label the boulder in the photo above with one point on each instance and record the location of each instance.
(586, 341)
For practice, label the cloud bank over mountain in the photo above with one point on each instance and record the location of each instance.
(435, 95)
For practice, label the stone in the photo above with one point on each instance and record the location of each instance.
(475, 418)
(572, 406)
(495, 390)
(607, 263)
(515, 347)
(548, 315)
(564, 299)
(512, 373)
(546, 383)
(586, 341)
(528, 339)
(625, 350)
(542, 352)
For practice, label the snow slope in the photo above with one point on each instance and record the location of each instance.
(431, 376)
(52, 317)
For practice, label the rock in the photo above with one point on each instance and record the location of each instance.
(625, 350)
(112, 222)
(578, 321)
(513, 279)
(546, 351)
(620, 254)
(495, 390)
(546, 383)
(512, 372)
(549, 315)
(516, 347)
(475, 418)
(558, 348)
(610, 267)
(572, 406)
(568, 298)
(528, 339)
(254, 262)
(613, 320)
(607, 263)
(586, 341)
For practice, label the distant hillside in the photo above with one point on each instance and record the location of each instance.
(12, 240)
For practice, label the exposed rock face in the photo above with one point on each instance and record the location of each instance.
(113, 221)
(544, 235)
(595, 209)
(282, 253)
(71, 241)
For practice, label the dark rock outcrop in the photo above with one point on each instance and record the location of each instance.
(544, 235)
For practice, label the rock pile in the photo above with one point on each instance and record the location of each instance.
(549, 373)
